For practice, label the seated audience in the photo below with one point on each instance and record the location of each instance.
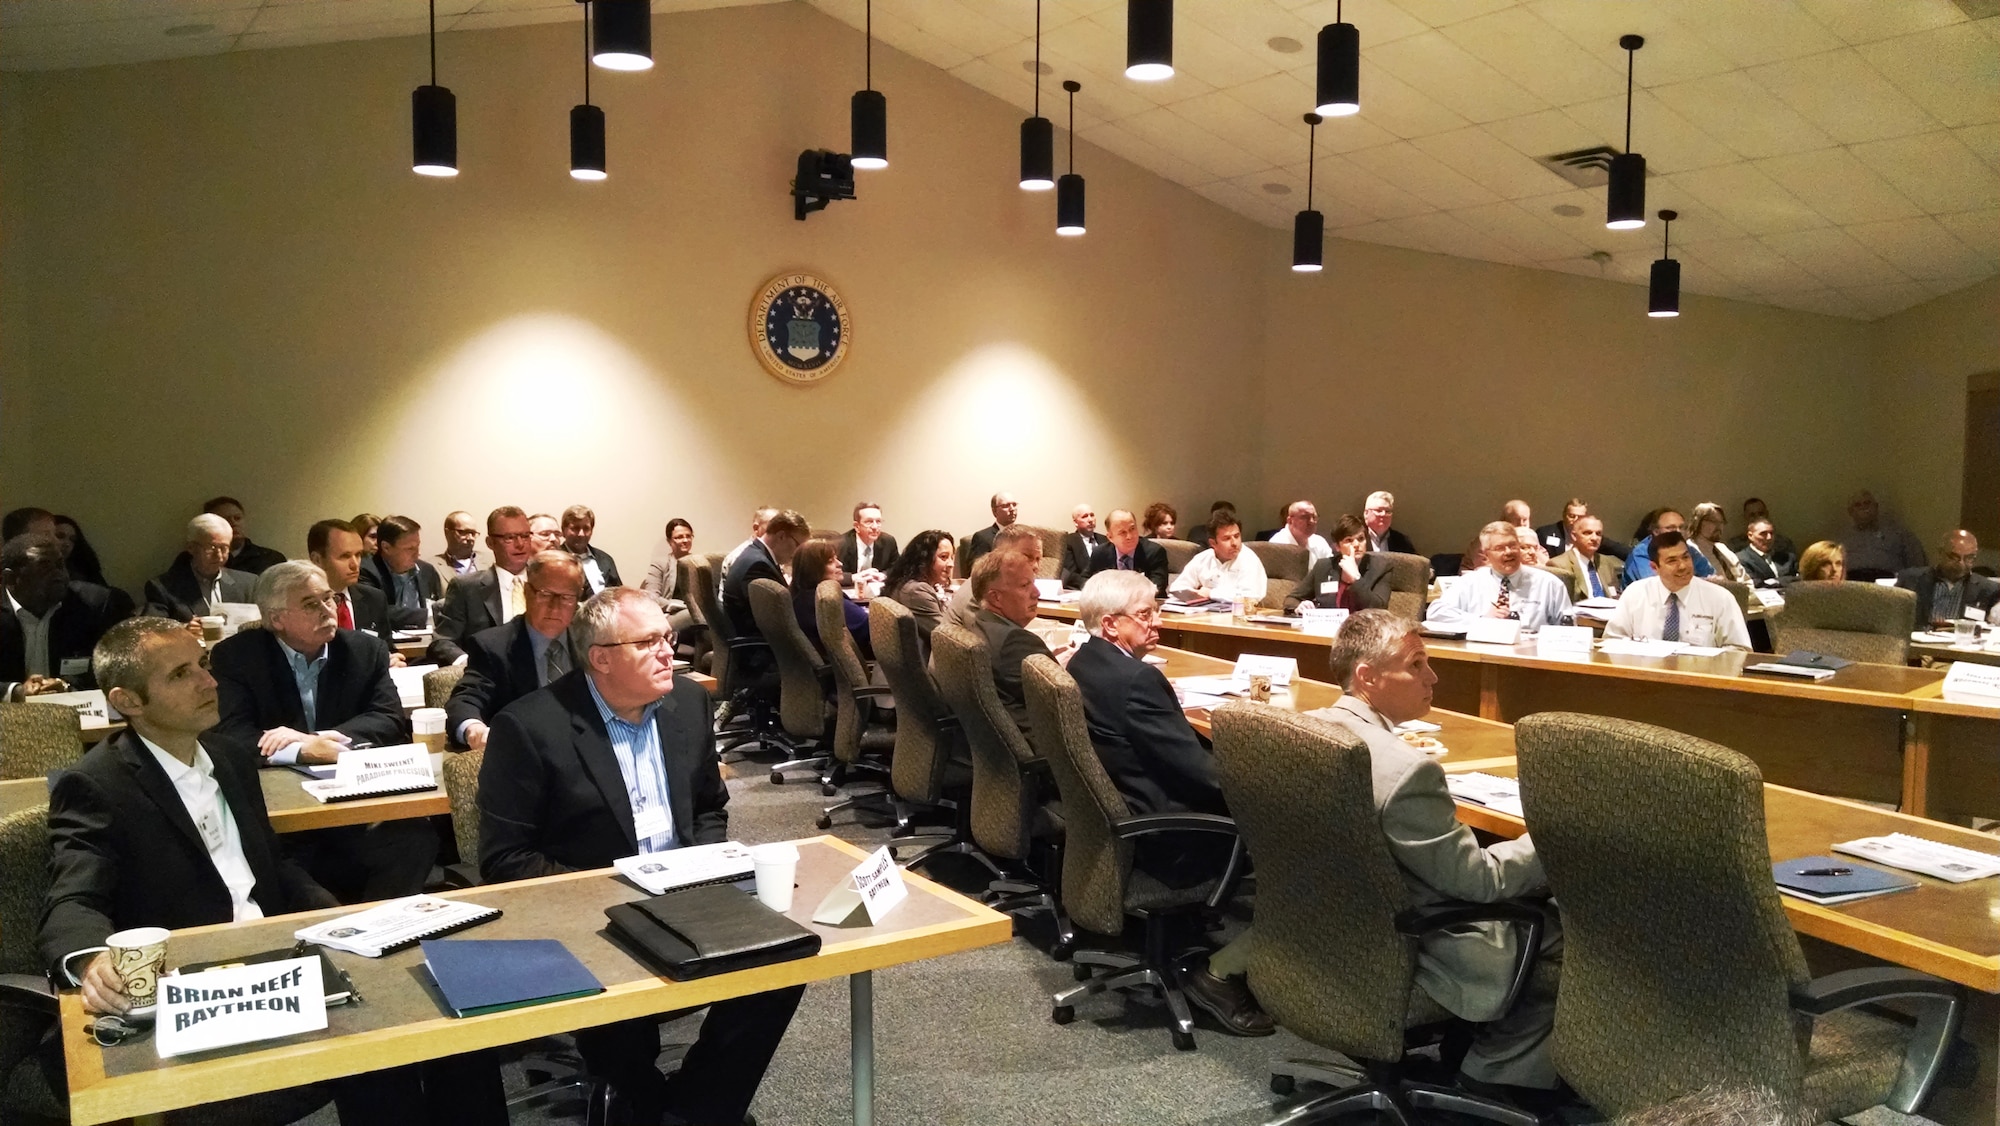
(1159, 765)
(1356, 577)
(1503, 588)
(1077, 546)
(1782, 547)
(461, 554)
(758, 519)
(244, 555)
(963, 609)
(663, 572)
(1160, 521)
(866, 551)
(26, 521)
(1123, 550)
(1532, 552)
(1824, 561)
(1584, 568)
(1950, 590)
(578, 525)
(78, 555)
(1760, 558)
(1706, 541)
(507, 662)
(1265, 535)
(301, 690)
(198, 579)
(365, 526)
(1379, 513)
(121, 859)
(488, 597)
(1517, 513)
(624, 716)
(1877, 547)
(1639, 564)
(919, 580)
(336, 549)
(1005, 510)
(1670, 606)
(765, 557)
(1222, 571)
(814, 564)
(545, 531)
(1554, 538)
(398, 570)
(51, 623)
(1003, 585)
(1199, 533)
(1301, 520)
(1380, 664)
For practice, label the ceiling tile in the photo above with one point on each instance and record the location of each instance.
(1864, 21)
(1434, 64)
(1197, 146)
(1440, 13)
(1378, 21)
(1756, 265)
(1669, 141)
(1362, 189)
(1748, 198)
(1952, 71)
(1538, 58)
(1215, 60)
(1400, 108)
(1285, 98)
(350, 13)
(1337, 211)
(1693, 223)
(1842, 94)
(1483, 158)
(1251, 205)
(1387, 233)
(1416, 172)
(1831, 302)
(1454, 236)
(480, 19)
(140, 37)
(1983, 140)
(1673, 53)
(1122, 142)
(921, 38)
(1941, 286)
(1224, 116)
(1537, 135)
(1749, 34)
(1979, 230)
(1529, 234)
(1837, 259)
(1740, 113)
(1920, 247)
(1935, 171)
(1251, 24)
(1840, 187)
(966, 26)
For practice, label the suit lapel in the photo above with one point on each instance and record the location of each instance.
(593, 746)
(493, 603)
(680, 782)
(159, 789)
(285, 687)
(521, 659)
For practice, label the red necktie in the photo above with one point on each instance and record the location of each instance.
(346, 613)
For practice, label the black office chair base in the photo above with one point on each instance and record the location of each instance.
(946, 844)
(1015, 897)
(1126, 972)
(879, 802)
(1382, 1090)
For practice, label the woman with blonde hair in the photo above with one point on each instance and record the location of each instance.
(1824, 561)
(1705, 535)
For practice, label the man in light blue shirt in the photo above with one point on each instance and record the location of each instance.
(1503, 588)
(1639, 564)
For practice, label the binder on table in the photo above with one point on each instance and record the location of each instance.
(478, 976)
(1827, 880)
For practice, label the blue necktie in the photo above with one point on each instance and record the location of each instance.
(1124, 562)
(1596, 588)
(1671, 631)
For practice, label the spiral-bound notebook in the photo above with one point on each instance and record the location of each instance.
(396, 924)
(695, 866)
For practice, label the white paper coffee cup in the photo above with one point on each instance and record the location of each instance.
(427, 721)
(138, 955)
(776, 867)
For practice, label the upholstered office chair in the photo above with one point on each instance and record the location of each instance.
(1409, 584)
(693, 640)
(1100, 887)
(439, 682)
(1334, 941)
(1284, 565)
(1447, 564)
(743, 711)
(804, 681)
(38, 738)
(461, 789)
(929, 768)
(1051, 551)
(1858, 621)
(860, 742)
(1680, 969)
(27, 1002)
(1178, 554)
(1009, 817)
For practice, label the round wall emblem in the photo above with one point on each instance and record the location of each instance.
(799, 328)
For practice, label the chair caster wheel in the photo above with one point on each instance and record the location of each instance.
(777, 778)
(1283, 1084)
(828, 789)
(824, 822)
(1183, 1041)
(1063, 1014)
(1061, 951)
(1080, 972)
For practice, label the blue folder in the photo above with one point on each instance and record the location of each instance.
(1859, 881)
(488, 975)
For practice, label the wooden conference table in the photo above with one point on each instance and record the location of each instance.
(292, 810)
(399, 1022)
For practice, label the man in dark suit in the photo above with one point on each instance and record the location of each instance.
(762, 558)
(301, 690)
(399, 571)
(244, 555)
(1555, 538)
(199, 577)
(1782, 551)
(578, 525)
(1123, 550)
(152, 829)
(614, 759)
(490, 597)
(49, 624)
(1077, 546)
(1762, 559)
(1006, 510)
(507, 662)
(337, 549)
(1948, 590)
(1378, 513)
(1003, 587)
(865, 547)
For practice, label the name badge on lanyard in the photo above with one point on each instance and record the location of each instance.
(650, 820)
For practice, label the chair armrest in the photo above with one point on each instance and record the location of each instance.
(746, 644)
(874, 692)
(1132, 828)
(1940, 1006)
(28, 991)
(1417, 922)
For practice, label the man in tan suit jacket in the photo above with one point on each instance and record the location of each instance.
(1380, 660)
(1575, 566)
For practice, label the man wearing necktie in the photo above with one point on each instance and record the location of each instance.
(1584, 567)
(1123, 550)
(1504, 588)
(1673, 605)
(505, 663)
(337, 548)
(200, 577)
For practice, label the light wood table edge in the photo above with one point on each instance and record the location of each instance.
(360, 811)
(96, 1098)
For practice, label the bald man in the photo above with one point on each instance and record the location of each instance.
(1949, 590)
(1124, 550)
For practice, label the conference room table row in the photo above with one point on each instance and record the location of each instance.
(1880, 733)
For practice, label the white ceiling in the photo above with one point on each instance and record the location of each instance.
(1837, 156)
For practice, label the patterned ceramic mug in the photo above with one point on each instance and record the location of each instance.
(138, 955)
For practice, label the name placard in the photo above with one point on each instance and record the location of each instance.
(1281, 670)
(868, 894)
(240, 1005)
(1965, 678)
(1493, 631)
(1565, 639)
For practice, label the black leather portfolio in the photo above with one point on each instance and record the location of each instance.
(702, 931)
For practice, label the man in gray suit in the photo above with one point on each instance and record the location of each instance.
(1379, 659)
(963, 610)
(200, 577)
(1003, 584)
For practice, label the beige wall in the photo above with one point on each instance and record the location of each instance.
(1922, 359)
(218, 274)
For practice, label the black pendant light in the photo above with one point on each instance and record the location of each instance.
(1069, 189)
(870, 115)
(1149, 40)
(1664, 298)
(1309, 228)
(1625, 203)
(1339, 84)
(624, 35)
(586, 123)
(1038, 133)
(433, 121)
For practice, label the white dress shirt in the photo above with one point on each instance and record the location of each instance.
(1709, 614)
(1241, 577)
(1315, 544)
(211, 815)
(34, 636)
(1534, 597)
(592, 573)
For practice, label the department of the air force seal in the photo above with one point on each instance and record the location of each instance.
(799, 328)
